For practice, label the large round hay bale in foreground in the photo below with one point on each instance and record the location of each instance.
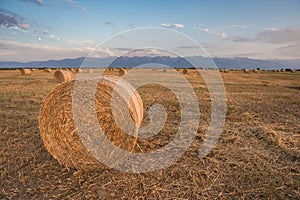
(60, 135)
(62, 76)
(25, 71)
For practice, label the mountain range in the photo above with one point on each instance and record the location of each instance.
(125, 62)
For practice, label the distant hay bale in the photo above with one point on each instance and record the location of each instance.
(25, 71)
(255, 70)
(223, 70)
(60, 135)
(290, 70)
(73, 70)
(32, 69)
(122, 72)
(185, 71)
(48, 70)
(79, 70)
(62, 76)
(246, 70)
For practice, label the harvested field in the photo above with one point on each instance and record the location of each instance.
(257, 155)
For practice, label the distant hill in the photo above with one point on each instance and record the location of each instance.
(230, 63)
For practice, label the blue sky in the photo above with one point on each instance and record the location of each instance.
(56, 29)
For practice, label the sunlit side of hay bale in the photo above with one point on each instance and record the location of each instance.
(25, 72)
(60, 135)
(246, 70)
(61, 76)
(122, 72)
(79, 70)
(48, 70)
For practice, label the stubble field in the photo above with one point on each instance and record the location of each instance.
(256, 157)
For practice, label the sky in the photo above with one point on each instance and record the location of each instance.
(33, 30)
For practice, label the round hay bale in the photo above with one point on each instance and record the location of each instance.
(48, 70)
(122, 72)
(60, 135)
(255, 70)
(246, 70)
(25, 71)
(185, 71)
(79, 70)
(62, 76)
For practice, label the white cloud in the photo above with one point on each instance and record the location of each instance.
(81, 43)
(252, 50)
(272, 35)
(270, 43)
(53, 37)
(172, 25)
(239, 26)
(75, 4)
(38, 2)
(47, 34)
(15, 51)
(221, 35)
(24, 26)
